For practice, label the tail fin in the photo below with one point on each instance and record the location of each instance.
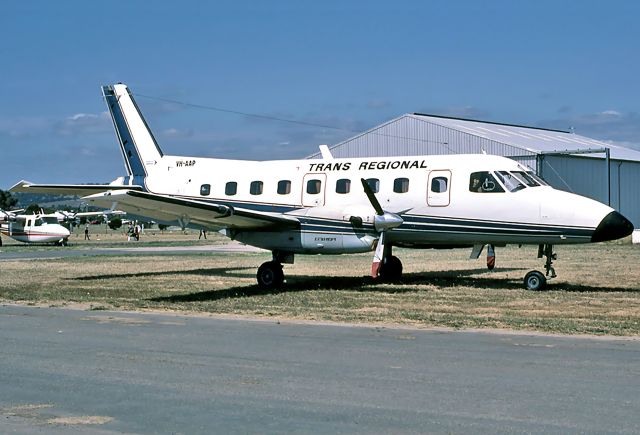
(139, 148)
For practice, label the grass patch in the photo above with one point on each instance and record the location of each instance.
(597, 291)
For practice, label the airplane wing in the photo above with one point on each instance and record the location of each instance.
(166, 208)
(67, 189)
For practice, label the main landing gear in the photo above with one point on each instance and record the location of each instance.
(391, 269)
(536, 280)
(270, 275)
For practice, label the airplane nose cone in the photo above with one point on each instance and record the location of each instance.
(613, 226)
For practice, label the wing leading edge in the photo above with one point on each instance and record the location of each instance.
(68, 189)
(165, 208)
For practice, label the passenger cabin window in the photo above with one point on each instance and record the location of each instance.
(284, 187)
(439, 184)
(255, 188)
(374, 184)
(343, 185)
(484, 182)
(510, 181)
(314, 187)
(231, 188)
(205, 189)
(401, 185)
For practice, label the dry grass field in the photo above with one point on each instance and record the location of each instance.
(597, 290)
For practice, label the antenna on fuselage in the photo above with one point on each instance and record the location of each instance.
(326, 152)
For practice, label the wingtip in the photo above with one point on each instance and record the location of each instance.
(20, 186)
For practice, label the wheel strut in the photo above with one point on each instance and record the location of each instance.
(546, 250)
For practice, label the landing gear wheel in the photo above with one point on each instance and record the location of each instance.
(535, 280)
(270, 275)
(391, 270)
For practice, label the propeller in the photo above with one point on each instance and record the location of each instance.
(382, 222)
(491, 257)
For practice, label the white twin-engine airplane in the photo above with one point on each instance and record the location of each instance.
(33, 228)
(339, 206)
(43, 227)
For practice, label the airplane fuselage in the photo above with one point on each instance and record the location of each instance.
(433, 194)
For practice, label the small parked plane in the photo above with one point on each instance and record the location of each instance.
(70, 216)
(43, 227)
(33, 228)
(339, 206)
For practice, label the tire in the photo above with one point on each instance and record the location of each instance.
(535, 280)
(391, 270)
(270, 275)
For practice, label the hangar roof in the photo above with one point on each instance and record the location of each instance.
(529, 139)
(537, 140)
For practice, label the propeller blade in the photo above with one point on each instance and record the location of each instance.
(491, 257)
(377, 257)
(372, 197)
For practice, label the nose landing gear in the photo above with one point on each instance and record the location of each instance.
(536, 280)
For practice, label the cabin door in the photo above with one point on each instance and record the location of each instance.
(313, 190)
(439, 188)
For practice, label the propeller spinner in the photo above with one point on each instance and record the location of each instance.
(382, 222)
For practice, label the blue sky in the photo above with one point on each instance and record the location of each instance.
(349, 65)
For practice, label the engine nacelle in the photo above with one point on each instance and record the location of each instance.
(307, 242)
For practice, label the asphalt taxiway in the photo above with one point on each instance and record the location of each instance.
(73, 371)
(74, 251)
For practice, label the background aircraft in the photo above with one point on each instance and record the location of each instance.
(339, 206)
(44, 227)
(33, 228)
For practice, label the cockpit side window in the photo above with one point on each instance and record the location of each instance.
(484, 182)
(510, 181)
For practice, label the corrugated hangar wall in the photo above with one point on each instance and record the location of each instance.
(588, 176)
(410, 136)
(416, 135)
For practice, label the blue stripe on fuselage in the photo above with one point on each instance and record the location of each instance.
(416, 224)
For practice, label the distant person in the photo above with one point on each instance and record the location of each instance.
(136, 232)
(86, 232)
(203, 233)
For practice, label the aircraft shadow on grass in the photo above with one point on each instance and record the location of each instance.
(217, 271)
(464, 278)
(475, 278)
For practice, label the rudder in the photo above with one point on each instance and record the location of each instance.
(139, 148)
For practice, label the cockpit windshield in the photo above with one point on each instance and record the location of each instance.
(49, 219)
(526, 178)
(510, 181)
(538, 179)
(487, 181)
